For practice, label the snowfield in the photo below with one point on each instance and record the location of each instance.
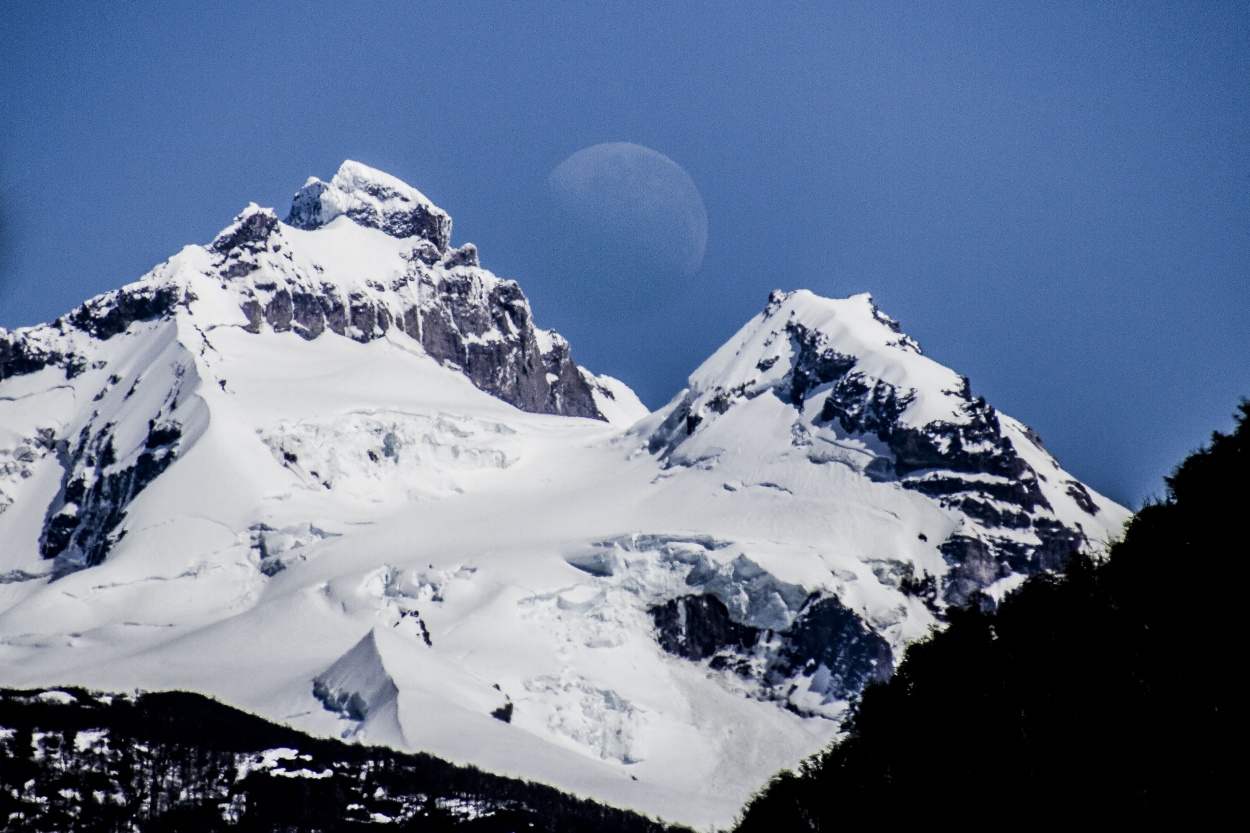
(374, 535)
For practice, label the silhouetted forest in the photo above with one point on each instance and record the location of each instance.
(178, 762)
(1104, 692)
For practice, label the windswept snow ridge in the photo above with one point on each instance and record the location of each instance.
(329, 470)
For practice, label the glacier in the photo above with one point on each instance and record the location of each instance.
(328, 470)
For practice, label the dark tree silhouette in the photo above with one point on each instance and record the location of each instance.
(181, 762)
(1103, 692)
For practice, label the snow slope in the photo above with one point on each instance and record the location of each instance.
(328, 470)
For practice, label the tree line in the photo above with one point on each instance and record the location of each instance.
(71, 759)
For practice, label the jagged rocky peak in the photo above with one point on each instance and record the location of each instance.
(249, 232)
(861, 393)
(312, 276)
(464, 316)
(831, 359)
(373, 199)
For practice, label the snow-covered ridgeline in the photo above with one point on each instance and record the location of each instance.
(863, 394)
(328, 469)
(358, 256)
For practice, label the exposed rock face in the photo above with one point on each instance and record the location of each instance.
(466, 255)
(854, 375)
(464, 316)
(31, 349)
(802, 649)
(20, 356)
(84, 522)
(487, 331)
(141, 420)
(828, 649)
(114, 312)
(835, 648)
(250, 233)
(374, 199)
(699, 627)
(969, 465)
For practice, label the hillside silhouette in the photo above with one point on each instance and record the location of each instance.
(1102, 692)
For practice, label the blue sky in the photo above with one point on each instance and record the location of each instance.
(1053, 198)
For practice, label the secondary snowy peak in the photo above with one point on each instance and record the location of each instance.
(859, 392)
(802, 341)
(373, 199)
(833, 361)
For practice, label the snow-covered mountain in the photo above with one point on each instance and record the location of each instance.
(328, 470)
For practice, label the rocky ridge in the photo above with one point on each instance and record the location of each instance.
(461, 314)
(851, 375)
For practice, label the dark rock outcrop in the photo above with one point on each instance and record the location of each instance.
(464, 317)
(370, 199)
(20, 355)
(966, 462)
(814, 364)
(114, 312)
(832, 645)
(250, 232)
(969, 466)
(466, 255)
(827, 646)
(32, 349)
(698, 627)
(487, 332)
(974, 565)
(84, 522)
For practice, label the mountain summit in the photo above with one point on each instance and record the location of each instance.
(372, 199)
(328, 470)
(857, 391)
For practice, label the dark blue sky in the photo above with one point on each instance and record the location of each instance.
(1053, 198)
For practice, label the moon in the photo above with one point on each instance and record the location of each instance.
(634, 206)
